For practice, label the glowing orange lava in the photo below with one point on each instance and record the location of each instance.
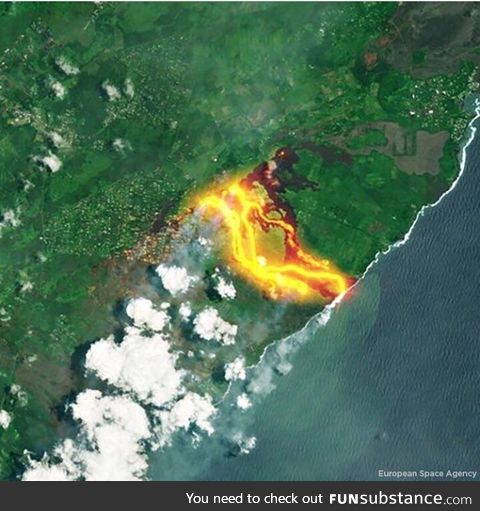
(262, 244)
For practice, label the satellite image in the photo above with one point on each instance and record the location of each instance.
(239, 241)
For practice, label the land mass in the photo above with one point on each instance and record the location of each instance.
(113, 114)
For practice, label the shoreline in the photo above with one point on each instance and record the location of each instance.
(323, 317)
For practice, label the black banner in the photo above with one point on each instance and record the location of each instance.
(243, 495)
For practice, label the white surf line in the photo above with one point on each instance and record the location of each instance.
(323, 317)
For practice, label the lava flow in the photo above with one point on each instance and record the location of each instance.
(262, 236)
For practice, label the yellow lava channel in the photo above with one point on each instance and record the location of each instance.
(247, 216)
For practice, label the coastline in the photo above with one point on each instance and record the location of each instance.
(277, 360)
(321, 319)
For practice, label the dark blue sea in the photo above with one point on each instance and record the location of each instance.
(392, 382)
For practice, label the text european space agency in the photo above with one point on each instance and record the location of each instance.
(428, 474)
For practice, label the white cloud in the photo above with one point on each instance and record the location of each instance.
(243, 401)
(43, 471)
(284, 367)
(113, 94)
(120, 145)
(4, 315)
(244, 444)
(116, 426)
(110, 446)
(114, 433)
(5, 419)
(143, 314)
(141, 365)
(57, 88)
(31, 359)
(26, 287)
(262, 381)
(65, 66)
(41, 257)
(235, 370)
(57, 139)
(128, 88)
(210, 326)
(175, 279)
(9, 218)
(50, 162)
(20, 394)
(189, 410)
(27, 185)
(272, 165)
(185, 311)
(224, 289)
(204, 242)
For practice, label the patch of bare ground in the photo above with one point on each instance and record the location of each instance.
(414, 153)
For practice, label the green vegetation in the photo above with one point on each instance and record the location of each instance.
(426, 104)
(418, 57)
(111, 219)
(370, 219)
(166, 97)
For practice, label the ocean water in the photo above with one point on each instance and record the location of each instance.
(390, 383)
